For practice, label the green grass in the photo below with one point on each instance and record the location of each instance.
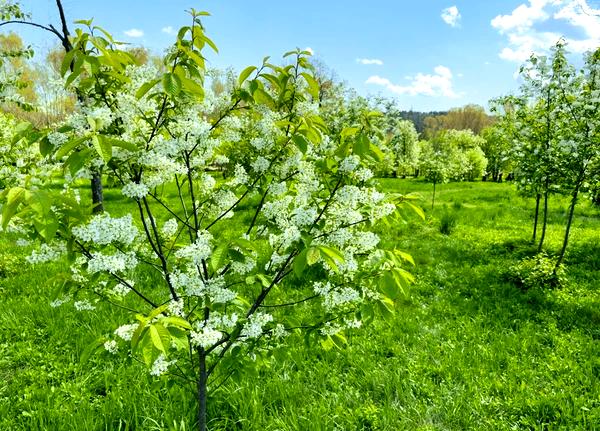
(468, 350)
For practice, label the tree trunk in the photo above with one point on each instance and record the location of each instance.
(545, 222)
(97, 192)
(568, 228)
(202, 380)
(537, 214)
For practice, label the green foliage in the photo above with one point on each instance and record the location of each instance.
(538, 272)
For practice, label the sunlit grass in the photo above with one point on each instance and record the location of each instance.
(467, 349)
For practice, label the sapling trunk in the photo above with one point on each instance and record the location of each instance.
(202, 390)
(536, 217)
(97, 192)
(544, 222)
(563, 250)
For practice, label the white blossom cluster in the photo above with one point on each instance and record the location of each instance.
(103, 230)
(253, 328)
(112, 263)
(47, 253)
(198, 251)
(161, 366)
(336, 297)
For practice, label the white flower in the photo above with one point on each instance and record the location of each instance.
(122, 289)
(47, 253)
(198, 251)
(205, 337)
(103, 230)
(160, 366)
(363, 174)
(253, 328)
(260, 165)
(350, 163)
(170, 228)
(83, 305)
(111, 346)
(126, 331)
(279, 331)
(60, 301)
(239, 176)
(135, 190)
(114, 263)
(56, 139)
(176, 308)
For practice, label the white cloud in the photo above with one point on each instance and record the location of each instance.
(437, 84)
(522, 18)
(168, 29)
(521, 27)
(369, 61)
(451, 16)
(134, 32)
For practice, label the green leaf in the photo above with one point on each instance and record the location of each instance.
(245, 74)
(218, 255)
(171, 84)
(418, 210)
(389, 286)
(313, 85)
(179, 338)
(192, 87)
(67, 60)
(160, 337)
(331, 256)
(407, 257)
(46, 226)
(14, 197)
(385, 307)
(76, 161)
(300, 263)
(176, 321)
(158, 310)
(263, 98)
(313, 255)
(361, 145)
(121, 143)
(102, 146)
(301, 142)
(144, 88)
(376, 152)
(138, 334)
(69, 146)
(46, 147)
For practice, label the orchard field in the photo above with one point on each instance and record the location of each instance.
(191, 245)
(467, 348)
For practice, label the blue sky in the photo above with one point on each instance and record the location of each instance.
(429, 55)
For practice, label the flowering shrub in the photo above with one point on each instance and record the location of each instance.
(283, 245)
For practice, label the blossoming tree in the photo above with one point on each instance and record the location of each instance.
(215, 271)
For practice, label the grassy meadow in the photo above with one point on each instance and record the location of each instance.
(467, 349)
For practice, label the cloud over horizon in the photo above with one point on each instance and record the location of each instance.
(438, 84)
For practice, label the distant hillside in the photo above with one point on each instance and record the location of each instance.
(418, 118)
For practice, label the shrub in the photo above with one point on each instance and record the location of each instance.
(538, 272)
(447, 223)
